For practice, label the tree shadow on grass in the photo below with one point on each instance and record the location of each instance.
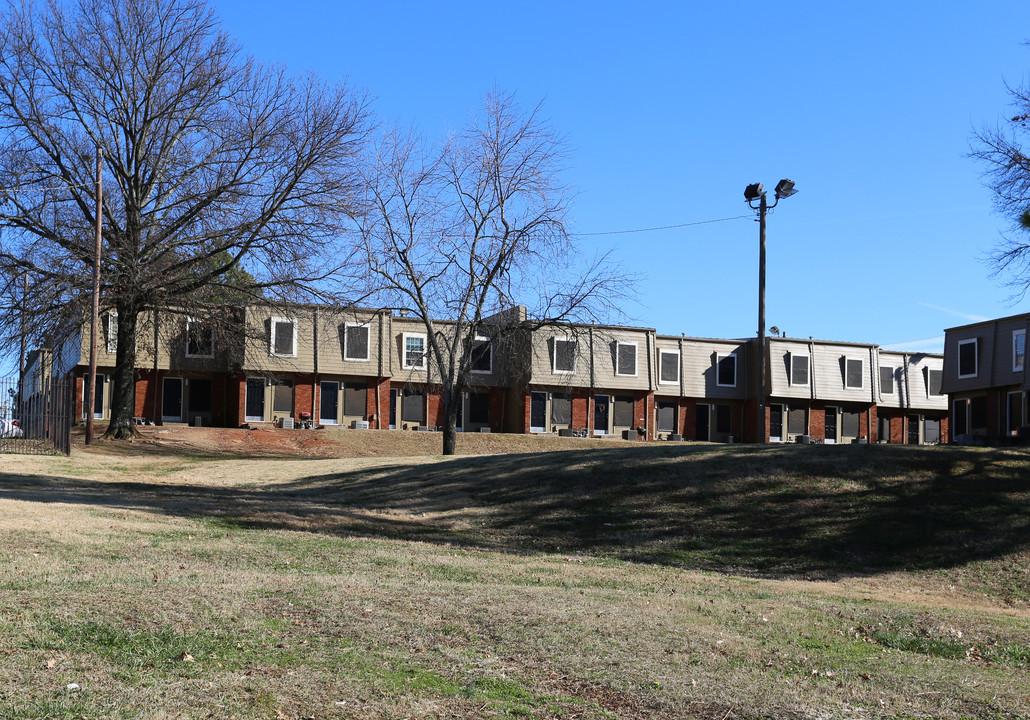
(787, 511)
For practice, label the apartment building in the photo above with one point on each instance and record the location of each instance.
(374, 369)
(985, 379)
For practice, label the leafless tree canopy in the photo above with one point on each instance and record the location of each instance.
(222, 179)
(471, 229)
(1007, 173)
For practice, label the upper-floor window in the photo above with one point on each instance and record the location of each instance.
(933, 382)
(112, 331)
(564, 355)
(726, 370)
(626, 359)
(1018, 349)
(355, 341)
(886, 380)
(200, 339)
(284, 337)
(853, 373)
(414, 351)
(669, 366)
(798, 370)
(967, 358)
(482, 355)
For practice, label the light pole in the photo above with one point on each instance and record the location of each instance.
(753, 192)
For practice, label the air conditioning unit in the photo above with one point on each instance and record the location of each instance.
(359, 424)
(287, 423)
(803, 440)
(484, 429)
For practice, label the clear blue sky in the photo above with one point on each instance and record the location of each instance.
(671, 108)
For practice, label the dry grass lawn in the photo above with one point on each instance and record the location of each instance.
(221, 574)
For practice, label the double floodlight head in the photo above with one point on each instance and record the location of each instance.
(755, 191)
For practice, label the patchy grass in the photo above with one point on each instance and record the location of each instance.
(606, 582)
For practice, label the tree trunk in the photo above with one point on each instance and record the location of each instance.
(123, 390)
(450, 421)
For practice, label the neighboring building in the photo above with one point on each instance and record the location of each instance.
(985, 378)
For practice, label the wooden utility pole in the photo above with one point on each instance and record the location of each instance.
(90, 400)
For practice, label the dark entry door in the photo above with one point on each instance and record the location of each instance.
(831, 424)
(913, 429)
(171, 400)
(776, 422)
(702, 415)
(538, 412)
(255, 411)
(602, 411)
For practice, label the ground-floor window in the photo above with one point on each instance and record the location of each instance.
(667, 417)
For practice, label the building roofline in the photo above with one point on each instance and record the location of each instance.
(992, 321)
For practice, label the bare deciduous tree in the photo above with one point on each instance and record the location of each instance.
(212, 164)
(1002, 149)
(462, 235)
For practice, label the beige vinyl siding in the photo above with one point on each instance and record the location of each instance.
(332, 331)
(700, 368)
(917, 378)
(596, 356)
(257, 343)
(778, 378)
(829, 367)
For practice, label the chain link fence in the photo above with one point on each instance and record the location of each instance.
(35, 420)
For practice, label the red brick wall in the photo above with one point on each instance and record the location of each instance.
(378, 416)
(817, 421)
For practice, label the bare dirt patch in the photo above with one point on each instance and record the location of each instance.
(327, 442)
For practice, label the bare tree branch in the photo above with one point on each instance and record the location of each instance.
(219, 173)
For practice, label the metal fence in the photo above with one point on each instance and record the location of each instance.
(36, 420)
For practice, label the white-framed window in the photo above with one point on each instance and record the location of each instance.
(668, 367)
(798, 370)
(112, 331)
(1018, 350)
(414, 351)
(726, 370)
(200, 339)
(933, 382)
(482, 361)
(564, 354)
(886, 380)
(355, 341)
(283, 340)
(626, 359)
(853, 373)
(968, 356)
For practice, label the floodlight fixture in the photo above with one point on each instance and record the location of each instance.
(753, 191)
(785, 188)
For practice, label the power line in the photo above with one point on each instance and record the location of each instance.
(663, 227)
